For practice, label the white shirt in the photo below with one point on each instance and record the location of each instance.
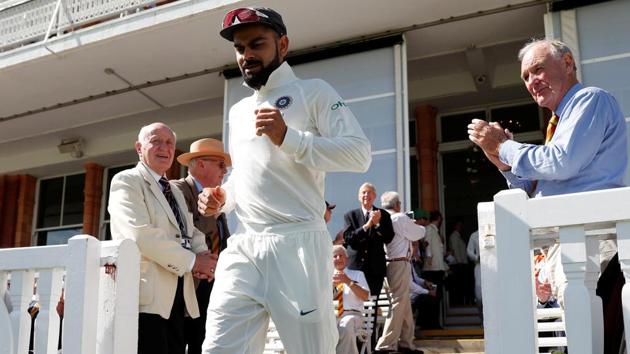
(437, 250)
(459, 247)
(473, 247)
(272, 185)
(350, 300)
(406, 231)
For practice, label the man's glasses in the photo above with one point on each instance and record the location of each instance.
(222, 165)
(243, 15)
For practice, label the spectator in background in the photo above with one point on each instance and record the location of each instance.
(459, 279)
(350, 289)
(399, 326)
(207, 164)
(421, 250)
(368, 229)
(434, 266)
(424, 301)
(421, 216)
(146, 208)
(586, 149)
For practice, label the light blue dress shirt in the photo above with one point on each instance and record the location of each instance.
(589, 150)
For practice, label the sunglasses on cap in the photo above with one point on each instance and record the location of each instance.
(243, 15)
(246, 15)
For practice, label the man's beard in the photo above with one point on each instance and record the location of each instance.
(259, 79)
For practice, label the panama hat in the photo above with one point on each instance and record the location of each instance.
(205, 147)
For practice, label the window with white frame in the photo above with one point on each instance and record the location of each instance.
(59, 209)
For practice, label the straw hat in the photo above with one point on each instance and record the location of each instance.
(205, 147)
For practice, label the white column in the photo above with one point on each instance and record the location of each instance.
(47, 325)
(623, 247)
(82, 282)
(515, 282)
(6, 332)
(489, 279)
(21, 294)
(581, 307)
(118, 303)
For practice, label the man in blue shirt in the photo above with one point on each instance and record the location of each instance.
(585, 149)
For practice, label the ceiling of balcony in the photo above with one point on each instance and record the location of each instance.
(182, 37)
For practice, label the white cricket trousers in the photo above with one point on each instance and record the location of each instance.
(283, 272)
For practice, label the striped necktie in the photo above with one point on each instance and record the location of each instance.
(170, 198)
(339, 298)
(551, 128)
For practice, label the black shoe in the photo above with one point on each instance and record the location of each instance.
(386, 352)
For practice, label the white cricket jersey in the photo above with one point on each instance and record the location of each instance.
(273, 185)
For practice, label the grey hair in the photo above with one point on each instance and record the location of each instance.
(339, 248)
(147, 129)
(389, 200)
(368, 185)
(556, 47)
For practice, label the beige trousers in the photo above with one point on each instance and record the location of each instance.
(399, 325)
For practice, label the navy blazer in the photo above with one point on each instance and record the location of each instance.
(370, 258)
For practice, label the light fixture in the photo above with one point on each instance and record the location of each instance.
(73, 146)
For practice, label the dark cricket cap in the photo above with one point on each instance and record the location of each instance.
(330, 206)
(251, 15)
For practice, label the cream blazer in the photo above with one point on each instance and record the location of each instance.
(140, 212)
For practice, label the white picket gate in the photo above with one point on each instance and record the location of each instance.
(512, 226)
(101, 310)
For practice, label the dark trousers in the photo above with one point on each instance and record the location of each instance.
(375, 283)
(195, 329)
(609, 288)
(157, 335)
(437, 277)
(428, 308)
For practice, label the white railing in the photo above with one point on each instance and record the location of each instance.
(511, 227)
(28, 21)
(101, 310)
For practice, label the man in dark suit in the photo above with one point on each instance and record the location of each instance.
(207, 164)
(367, 230)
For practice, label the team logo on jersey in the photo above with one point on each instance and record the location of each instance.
(338, 105)
(283, 102)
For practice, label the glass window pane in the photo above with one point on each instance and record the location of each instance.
(49, 206)
(56, 237)
(455, 126)
(415, 181)
(111, 172)
(73, 201)
(518, 119)
(469, 178)
(378, 119)
(412, 133)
